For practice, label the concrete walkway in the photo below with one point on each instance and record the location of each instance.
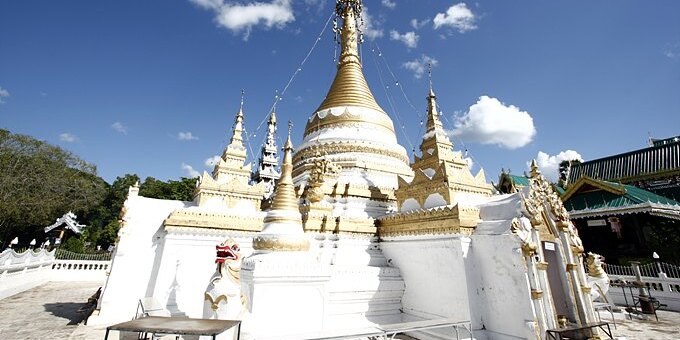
(50, 312)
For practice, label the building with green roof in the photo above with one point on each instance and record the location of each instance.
(621, 221)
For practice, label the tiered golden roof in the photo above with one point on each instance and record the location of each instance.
(349, 87)
(439, 169)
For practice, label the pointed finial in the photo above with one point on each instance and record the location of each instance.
(289, 144)
(243, 93)
(429, 75)
(534, 169)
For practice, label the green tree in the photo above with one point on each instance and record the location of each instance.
(182, 190)
(40, 182)
(102, 221)
(565, 169)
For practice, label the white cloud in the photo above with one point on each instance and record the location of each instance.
(186, 136)
(211, 161)
(410, 39)
(419, 65)
(418, 24)
(189, 171)
(119, 127)
(672, 51)
(489, 121)
(68, 137)
(3, 94)
(370, 27)
(391, 4)
(550, 165)
(457, 16)
(243, 17)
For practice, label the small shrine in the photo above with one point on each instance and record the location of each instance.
(64, 225)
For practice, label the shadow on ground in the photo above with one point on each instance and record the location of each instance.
(68, 311)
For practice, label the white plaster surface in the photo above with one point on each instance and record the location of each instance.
(134, 257)
(434, 275)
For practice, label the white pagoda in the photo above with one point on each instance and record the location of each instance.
(356, 235)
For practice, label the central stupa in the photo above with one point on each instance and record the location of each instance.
(351, 130)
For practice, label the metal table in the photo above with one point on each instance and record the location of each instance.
(578, 330)
(178, 326)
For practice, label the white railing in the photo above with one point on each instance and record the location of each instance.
(22, 271)
(11, 259)
(78, 270)
(647, 270)
(662, 280)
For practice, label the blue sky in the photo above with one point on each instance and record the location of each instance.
(151, 87)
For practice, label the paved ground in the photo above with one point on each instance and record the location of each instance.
(50, 312)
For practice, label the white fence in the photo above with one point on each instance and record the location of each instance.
(22, 271)
(662, 279)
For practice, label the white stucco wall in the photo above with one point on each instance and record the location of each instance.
(182, 270)
(133, 258)
(499, 288)
(434, 274)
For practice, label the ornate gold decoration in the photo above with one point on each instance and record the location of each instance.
(322, 171)
(215, 304)
(536, 294)
(586, 289)
(524, 232)
(281, 242)
(213, 220)
(347, 146)
(542, 196)
(571, 266)
(444, 220)
(542, 265)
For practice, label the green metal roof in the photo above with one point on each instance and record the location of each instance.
(522, 181)
(600, 199)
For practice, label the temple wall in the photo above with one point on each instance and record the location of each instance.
(434, 274)
(133, 259)
(499, 289)
(181, 274)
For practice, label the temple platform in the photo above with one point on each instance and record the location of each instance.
(51, 309)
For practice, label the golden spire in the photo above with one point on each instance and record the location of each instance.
(433, 121)
(284, 194)
(349, 87)
(282, 229)
(237, 135)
